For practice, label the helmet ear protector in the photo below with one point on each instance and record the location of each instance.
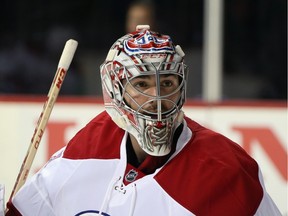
(142, 55)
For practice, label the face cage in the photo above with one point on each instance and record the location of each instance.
(178, 69)
(154, 130)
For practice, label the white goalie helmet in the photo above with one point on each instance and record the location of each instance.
(145, 64)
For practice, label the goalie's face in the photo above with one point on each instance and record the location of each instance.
(144, 81)
(152, 95)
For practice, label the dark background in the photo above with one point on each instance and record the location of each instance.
(33, 33)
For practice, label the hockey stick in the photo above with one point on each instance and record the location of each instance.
(63, 65)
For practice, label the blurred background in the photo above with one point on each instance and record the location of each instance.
(33, 33)
(242, 43)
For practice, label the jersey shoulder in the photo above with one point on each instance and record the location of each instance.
(100, 138)
(212, 175)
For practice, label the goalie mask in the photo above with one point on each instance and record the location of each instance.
(143, 84)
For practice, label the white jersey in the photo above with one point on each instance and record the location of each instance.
(90, 175)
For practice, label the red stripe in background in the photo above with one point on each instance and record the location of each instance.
(189, 102)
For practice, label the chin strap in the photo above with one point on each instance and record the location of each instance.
(180, 118)
(121, 121)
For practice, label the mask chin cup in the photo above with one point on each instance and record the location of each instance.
(154, 150)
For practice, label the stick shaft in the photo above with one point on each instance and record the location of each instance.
(64, 63)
